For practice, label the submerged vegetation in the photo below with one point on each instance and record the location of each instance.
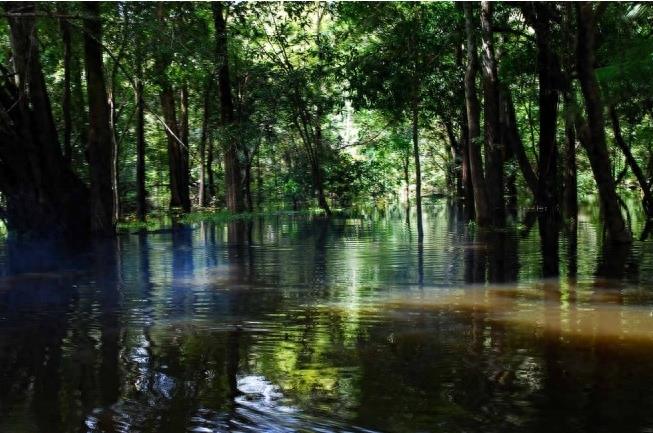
(113, 111)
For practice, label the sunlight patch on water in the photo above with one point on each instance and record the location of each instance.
(548, 308)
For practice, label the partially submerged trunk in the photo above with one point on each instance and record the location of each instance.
(570, 178)
(647, 200)
(179, 194)
(233, 183)
(141, 197)
(593, 138)
(418, 173)
(100, 141)
(570, 171)
(175, 166)
(203, 193)
(513, 140)
(493, 145)
(481, 206)
(456, 161)
(539, 16)
(42, 194)
(184, 166)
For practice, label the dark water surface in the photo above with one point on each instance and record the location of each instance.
(297, 324)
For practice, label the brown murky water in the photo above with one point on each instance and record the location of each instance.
(292, 324)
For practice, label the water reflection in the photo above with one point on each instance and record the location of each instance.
(292, 324)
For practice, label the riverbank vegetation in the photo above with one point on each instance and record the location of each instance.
(111, 111)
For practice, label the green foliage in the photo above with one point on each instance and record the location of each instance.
(350, 73)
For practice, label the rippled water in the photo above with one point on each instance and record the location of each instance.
(296, 324)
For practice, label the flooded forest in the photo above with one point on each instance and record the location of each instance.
(326, 217)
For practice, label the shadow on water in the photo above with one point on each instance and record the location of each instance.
(305, 324)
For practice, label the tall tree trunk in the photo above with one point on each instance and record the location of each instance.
(405, 162)
(210, 178)
(141, 198)
(647, 200)
(184, 163)
(539, 16)
(456, 160)
(247, 179)
(233, 184)
(595, 143)
(80, 119)
(175, 167)
(570, 106)
(115, 151)
(468, 187)
(42, 193)
(418, 172)
(100, 142)
(203, 193)
(570, 192)
(493, 146)
(179, 195)
(481, 205)
(65, 103)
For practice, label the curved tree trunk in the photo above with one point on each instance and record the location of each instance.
(595, 142)
(647, 200)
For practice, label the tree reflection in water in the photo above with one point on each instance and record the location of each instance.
(292, 324)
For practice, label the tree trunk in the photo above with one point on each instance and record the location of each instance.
(184, 165)
(513, 139)
(100, 142)
(493, 146)
(539, 16)
(647, 200)
(203, 193)
(456, 158)
(80, 119)
(175, 169)
(468, 187)
(570, 178)
(247, 179)
(570, 192)
(42, 193)
(418, 173)
(179, 196)
(406, 164)
(481, 206)
(595, 142)
(141, 198)
(233, 182)
(65, 103)
(210, 178)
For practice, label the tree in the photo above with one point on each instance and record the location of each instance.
(493, 146)
(593, 134)
(481, 204)
(42, 193)
(100, 141)
(233, 181)
(177, 148)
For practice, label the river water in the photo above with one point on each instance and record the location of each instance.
(299, 324)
